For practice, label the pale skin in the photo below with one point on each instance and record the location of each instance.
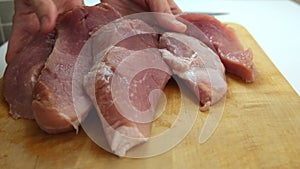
(33, 16)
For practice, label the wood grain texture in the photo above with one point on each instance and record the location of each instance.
(260, 128)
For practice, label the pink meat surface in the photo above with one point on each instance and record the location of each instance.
(123, 80)
(22, 72)
(236, 61)
(197, 65)
(53, 103)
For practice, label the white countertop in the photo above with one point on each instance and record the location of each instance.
(275, 25)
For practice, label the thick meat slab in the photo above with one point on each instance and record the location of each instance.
(122, 83)
(236, 61)
(197, 65)
(53, 104)
(22, 72)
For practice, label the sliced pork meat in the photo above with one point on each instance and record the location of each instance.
(53, 103)
(22, 72)
(236, 61)
(125, 81)
(197, 65)
(193, 30)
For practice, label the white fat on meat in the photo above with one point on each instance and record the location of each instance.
(197, 65)
(123, 138)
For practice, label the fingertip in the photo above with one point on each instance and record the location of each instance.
(46, 12)
(44, 22)
(47, 19)
(174, 25)
(47, 24)
(179, 26)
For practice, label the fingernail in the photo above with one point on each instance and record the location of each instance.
(44, 23)
(44, 20)
(180, 27)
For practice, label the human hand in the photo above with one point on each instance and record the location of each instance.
(126, 7)
(34, 16)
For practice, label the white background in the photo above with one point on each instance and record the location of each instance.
(275, 24)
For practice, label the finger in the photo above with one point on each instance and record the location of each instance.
(65, 5)
(47, 13)
(167, 21)
(174, 7)
(25, 24)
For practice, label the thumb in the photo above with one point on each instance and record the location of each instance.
(46, 12)
(166, 20)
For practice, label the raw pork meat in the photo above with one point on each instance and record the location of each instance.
(123, 83)
(197, 65)
(236, 61)
(22, 72)
(53, 103)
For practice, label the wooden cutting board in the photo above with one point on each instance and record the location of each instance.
(260, 128)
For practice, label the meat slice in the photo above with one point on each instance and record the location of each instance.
(22, 72)
(236, 61)
(54, 101)
(125, 81)
(197, 65)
